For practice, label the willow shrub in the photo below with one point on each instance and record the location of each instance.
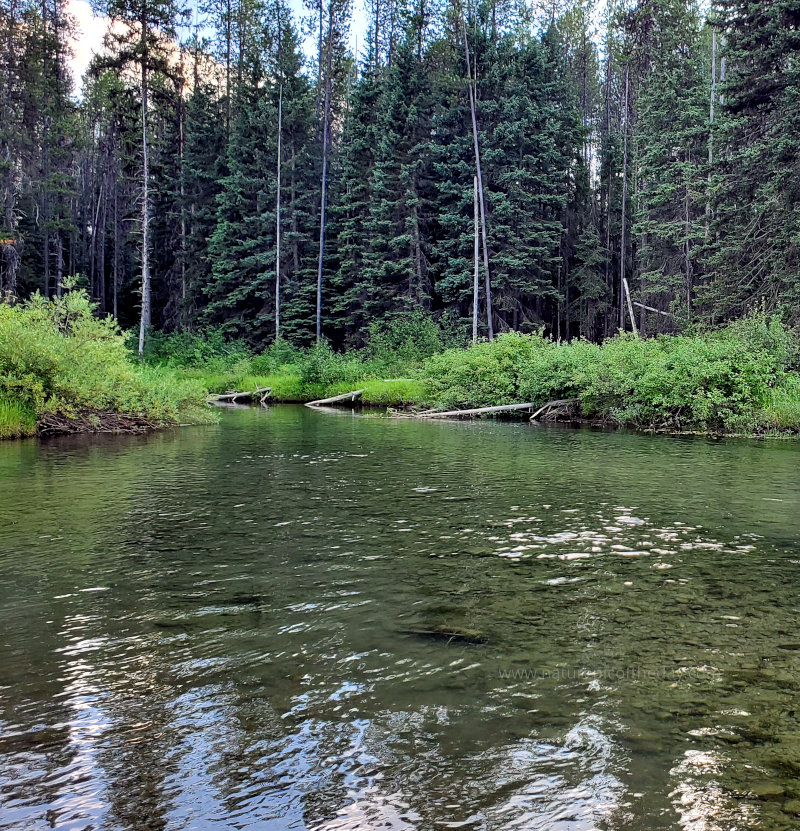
(56, 356)
(740, 378)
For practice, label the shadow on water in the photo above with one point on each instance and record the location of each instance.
(294, 621)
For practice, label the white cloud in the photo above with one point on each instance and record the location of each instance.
(88, 40)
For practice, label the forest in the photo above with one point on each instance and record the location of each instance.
(534, 157)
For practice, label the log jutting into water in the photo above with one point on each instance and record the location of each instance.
(345, 396)
(231, 396)
(502, 408)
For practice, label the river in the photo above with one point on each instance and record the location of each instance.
(301, 620)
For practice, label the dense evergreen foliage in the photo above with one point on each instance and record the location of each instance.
(652, 142)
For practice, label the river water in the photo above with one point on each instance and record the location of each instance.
(299, 620)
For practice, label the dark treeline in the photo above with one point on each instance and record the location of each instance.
(651, 142)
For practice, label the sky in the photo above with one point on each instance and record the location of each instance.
(91, 30)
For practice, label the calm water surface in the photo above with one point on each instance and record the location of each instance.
(296, 620)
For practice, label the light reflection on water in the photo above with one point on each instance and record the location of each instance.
(301, 621)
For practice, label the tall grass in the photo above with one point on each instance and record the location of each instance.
(16, 420)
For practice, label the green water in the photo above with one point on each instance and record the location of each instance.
(297, 620)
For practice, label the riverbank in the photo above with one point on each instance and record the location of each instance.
(63, 370)
(740, 380)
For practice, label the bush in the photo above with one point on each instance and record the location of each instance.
(735, 380)
(322, 366)
(57, 357)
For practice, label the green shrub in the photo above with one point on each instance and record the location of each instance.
(56, 356)
(209, 349)
(736, 379)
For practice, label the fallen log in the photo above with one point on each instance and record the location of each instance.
(651, 309)
(335, 399)
(231, 396)
(502, 408)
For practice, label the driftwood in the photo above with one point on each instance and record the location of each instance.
(549, 409)
(503, 408)
(335, 399)
(232, 396)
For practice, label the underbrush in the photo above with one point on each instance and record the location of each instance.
(740, 379)
(56, 357)
(387, 368)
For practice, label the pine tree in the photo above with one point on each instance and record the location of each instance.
(754, 256)
(671, 136)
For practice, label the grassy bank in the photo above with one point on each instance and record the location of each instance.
(742, 379)
(61, 369)
(64, 370)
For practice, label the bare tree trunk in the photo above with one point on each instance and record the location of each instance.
(46, 152)
(101, 260)
(144, 322)
(59, 264)
(687, 244)
(622, 280)
(476, 259)
(319, 61)
(293, 198)
(711, 126)
(181, 113)
(116, 246)
(479, 171)
(324, 188)
(278, 223)
(228, 91)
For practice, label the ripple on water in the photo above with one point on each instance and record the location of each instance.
(301, 622)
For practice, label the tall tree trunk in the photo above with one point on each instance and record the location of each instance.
(144, 322)
(623, 240)
(228, 59)
(278, 222)
(324, 187)
(45, 151)
(116, 248)
(476, 259)
(479, 171)
(59, 263)
(182, 316)
(711, 126)
(293, 203)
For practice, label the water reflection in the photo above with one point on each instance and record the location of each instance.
(296, 621)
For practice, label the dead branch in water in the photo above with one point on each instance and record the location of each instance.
(232, 396)
(93, 421)
(553, 409)
(345, 396)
